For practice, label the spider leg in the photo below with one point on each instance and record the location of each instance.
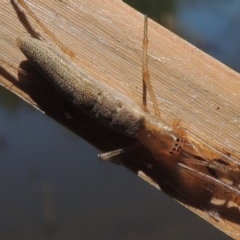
(145, 74)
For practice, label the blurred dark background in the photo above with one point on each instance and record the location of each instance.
(53, 186)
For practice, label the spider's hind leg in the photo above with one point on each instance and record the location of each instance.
(64, 49)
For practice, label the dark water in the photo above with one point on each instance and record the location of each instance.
(53, 186)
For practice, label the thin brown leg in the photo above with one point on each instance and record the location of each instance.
(146, 77)
(49, 33)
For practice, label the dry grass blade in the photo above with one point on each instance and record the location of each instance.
(189, 85)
